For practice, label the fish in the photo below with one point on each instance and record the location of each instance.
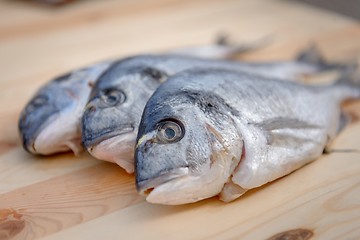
(209, 132)
(113, 113)
(50, 121)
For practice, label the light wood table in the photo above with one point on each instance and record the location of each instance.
(67, 197)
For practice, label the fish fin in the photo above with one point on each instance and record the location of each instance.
(223, 40)
(329, 151)
(215, 133)
(312, 56)
(286, 140)
(156, 74)
(283, 131)
(347, 87)
(75, 146)
(231, 191)
(350, 75)
(284, 122)
(345, 120)
(222, 48)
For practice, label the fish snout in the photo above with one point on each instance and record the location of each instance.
(91, 125)
(30, 125)
(145, 187)
(28, 142)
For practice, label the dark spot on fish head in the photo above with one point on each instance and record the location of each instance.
(11, 223)
(210, 105)
(153, 73)
(294, 234)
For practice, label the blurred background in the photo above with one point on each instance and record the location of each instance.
(41, 39)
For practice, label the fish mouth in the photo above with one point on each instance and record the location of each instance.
(29, 139)
(146, 187)
(58, 134)
(117, 149)
(101, 137)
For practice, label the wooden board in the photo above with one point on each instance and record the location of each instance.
(67, 197)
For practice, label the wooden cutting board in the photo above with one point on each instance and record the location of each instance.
(67, 197)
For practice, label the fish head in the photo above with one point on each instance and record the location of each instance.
(49, 122)
(184, 148)
(111, 118)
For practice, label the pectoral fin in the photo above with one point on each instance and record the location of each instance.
(285, 123)
(288, 132)
(231, 191)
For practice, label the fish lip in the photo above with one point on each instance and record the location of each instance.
(90, 143)
(29, 142)
(144, 187)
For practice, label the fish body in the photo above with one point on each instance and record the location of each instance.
(214, 132)
(50, 122)
(110, 121)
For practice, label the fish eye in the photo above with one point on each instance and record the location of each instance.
(112, 97)
(38, 101)
(170, 131)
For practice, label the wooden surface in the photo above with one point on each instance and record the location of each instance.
(67, 197)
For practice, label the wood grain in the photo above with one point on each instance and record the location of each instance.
(326, 203)
(68, 197)
(18, 168)
(65, 201)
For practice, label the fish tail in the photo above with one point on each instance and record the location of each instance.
(350, 76)
(350, 81)
(311, 55)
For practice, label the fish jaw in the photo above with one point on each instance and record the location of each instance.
(146, 186)
(60, 134)
(117, 149)
(181, 186)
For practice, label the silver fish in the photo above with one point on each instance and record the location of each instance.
(110, 121)
(50, 122)
(215, 132)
